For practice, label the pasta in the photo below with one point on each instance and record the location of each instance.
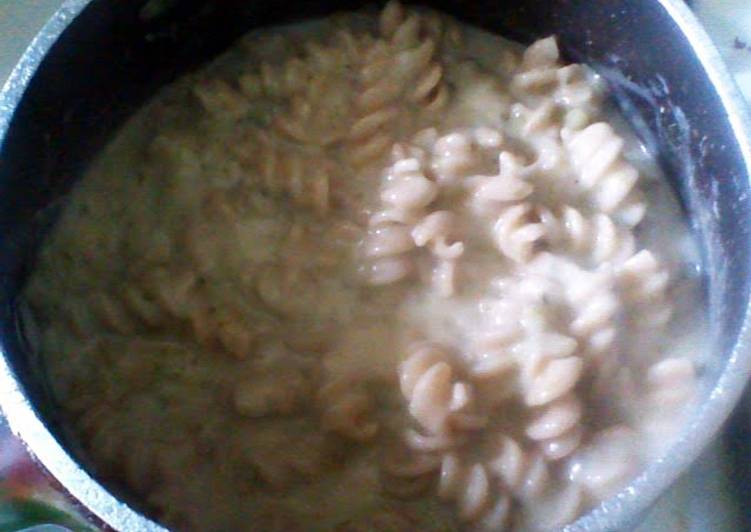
(606, 461)
(112, 314)
(219, 98)
(556, 425)
(346, 411)
(596, 306)
(276, 82)
(471, 487)
(598, 236)
(398, 69)
(540, 74)
(507, 187)
(407, 475)
(644, 283)
(378, 271)
(305, 181)
(415, 56)
(377, 108)
(596, 156)
(437, 400)
(390, 238)
(525, 475)
(516, 234)
(452, 156)
(671, 381)
(670, 387)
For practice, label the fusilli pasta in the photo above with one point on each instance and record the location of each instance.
(408, 35)
(377, 108)
(347, 410)
(304, 178)
(597, 156)
(597, 236)
(471, 486)
(516, 232)
(437, 400)
(643, 282)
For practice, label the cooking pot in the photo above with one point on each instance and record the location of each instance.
(96, 61)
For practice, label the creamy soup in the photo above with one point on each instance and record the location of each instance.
(379, 271)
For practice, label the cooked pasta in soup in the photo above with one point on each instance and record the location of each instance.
(379, 271)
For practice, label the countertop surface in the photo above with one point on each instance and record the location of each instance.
(705, 499)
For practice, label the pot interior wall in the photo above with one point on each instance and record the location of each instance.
(110, 60)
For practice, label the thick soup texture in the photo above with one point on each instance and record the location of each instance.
(379, 271)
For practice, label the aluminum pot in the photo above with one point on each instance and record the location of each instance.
(96, 61)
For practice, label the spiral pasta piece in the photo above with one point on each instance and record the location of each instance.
(225, 329)
(555, 509)
(554, 373)
(597, 236)
(452, 156)
(592, 298)
(549, 371)
(346, 410)
(669, 391)
(556, 426)
(525, 475)
(408, 34)
(444, 31)
(113, 313)
(311, 115)
(339, 51)
(407, 473)
(579, 92)
(153, 298)
(508, 186)
(140, 305)
(516, 233)
(417, 148)
(280, 383)
(398, 69)
(407, 188)
(421, 441)
(492, 354)
(436, 398)
(264, 398)
(603, 466)
(596, 154)
(589, 302)
(541, 74)
(643, 282)
(540, 121)
(323, 91)
(540, 127)
(426, 381)
(221, 99)
(279, 170)
(278, 81)
(671, 384)
(436, 232)
(370, 136)
(390, 241)
(437, 26)
(537, 59)
(471, 487)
